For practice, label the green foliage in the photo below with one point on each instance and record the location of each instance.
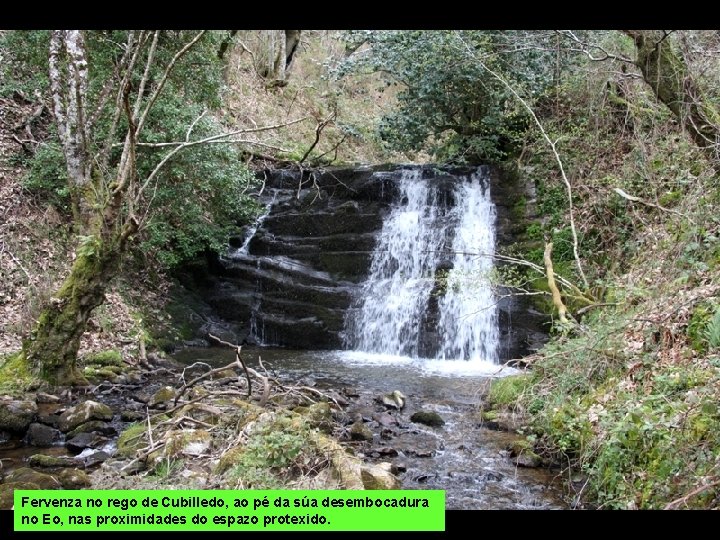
(199, 198)
(448, 103)
(267, 454)
(131, 440)
(703, 329)
(15, 376)
(168, 467)
(712, 333)
(47, 176)
(23, 62)
(507, 390)
(111, 357)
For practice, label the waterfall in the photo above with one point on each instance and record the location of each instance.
(468, 312)
(434, 253)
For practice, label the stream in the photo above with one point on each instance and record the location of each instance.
(471, 463)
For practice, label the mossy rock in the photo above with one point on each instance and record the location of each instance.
(429, 418)
(318, 415)
(7, 492)
(506, 391)
(97, 374)
(16, 415)
(185, 442)
(111, 357)
(188, 442)
(74, 479)
(163, 395)
(47, 462)
(83, 412)
(489, 416)
(25, 474)
(96, 426)
(229, 459)
(131, 440)
(360, 432)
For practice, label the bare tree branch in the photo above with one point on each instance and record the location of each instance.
(165, 77)
(553, 147)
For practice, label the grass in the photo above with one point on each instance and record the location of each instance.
(15, 377)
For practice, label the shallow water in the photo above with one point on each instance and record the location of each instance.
(469, 462)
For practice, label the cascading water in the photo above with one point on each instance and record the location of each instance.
(423, 231)
(468, 312)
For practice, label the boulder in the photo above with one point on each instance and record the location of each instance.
(16, 415)
(43, 461)
(93, 426)
(25, 474)
(74, 479)
(318, 416)
(90, 457)
(84, 412)
(394, 400)
(7, 492)
(42, 397)
(378, 476)
(82, 441)
(429, 418)
(42, 435)
(163, 395)
(360, 432)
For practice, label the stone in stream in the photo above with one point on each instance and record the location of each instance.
(429, 418)
(384, 419)
(379, 476)
(131, 416)
(48, 419)
(42, 461)
(42, 435)
(394, 400)
(360, 432)
(82, 441)
(523, 454)
(385, 451)
(90, 457)
(42, 397)
(93, 426)
(16, 415)
(84, 412)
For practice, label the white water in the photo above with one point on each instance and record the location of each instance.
(403, 277)
(468, 314)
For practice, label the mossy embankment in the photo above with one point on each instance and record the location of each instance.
(625, 399)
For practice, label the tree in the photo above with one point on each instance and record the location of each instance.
(105, 96)
(276, 51)
(447, 103)
(666, 71)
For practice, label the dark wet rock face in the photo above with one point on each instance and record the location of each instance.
(42, 435)
(292, 280)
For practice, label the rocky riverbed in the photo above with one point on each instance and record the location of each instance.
(313, 421)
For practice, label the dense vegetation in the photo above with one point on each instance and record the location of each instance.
(625, 396)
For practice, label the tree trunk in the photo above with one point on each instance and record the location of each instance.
(280, 56)
(53, 345)
(666, 71)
